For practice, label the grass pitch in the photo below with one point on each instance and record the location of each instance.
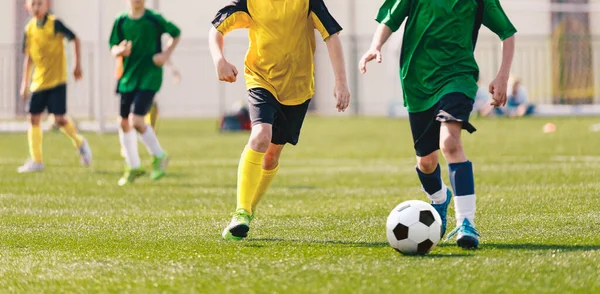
(320, 229)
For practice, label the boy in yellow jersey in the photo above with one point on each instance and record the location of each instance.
(43, 46)
(279, 72)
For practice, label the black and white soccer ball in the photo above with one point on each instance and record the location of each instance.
(414, 227)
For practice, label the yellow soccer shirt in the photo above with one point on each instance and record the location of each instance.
(44, 43)
(280, 56)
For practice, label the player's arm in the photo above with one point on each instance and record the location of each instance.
(27, 66)
(229, 18)
(60, 28)
(390, 17)
(496, 20)
(119, 47)
(329, 28)
(170, 28)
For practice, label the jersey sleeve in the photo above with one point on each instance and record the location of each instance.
(25, 45)
(60, 28)
(393, 12)
(115, 38)
(323, 20)
(168, 27)
(496, 20)
(233, 16)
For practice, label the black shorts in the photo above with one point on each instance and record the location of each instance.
(425, 126)
(286, 120)
(140, 99)
(54, 99)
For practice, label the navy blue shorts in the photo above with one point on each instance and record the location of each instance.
(286, 120)
(141, 100)
(425, 126)
(53, 99)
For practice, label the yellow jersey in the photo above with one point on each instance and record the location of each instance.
(280, 56)
(43, 42)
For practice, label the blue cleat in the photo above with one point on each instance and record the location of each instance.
(468, 236)
(442, 210)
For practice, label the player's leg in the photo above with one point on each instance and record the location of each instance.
(263, 107)
(37, 105)
(57, 106)
(270, 167)
(128, 139)
(141, 106)
(455, 117)
(152, 116)
(426, 133)
(286, 130)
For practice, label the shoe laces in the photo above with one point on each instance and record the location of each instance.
(465, 227)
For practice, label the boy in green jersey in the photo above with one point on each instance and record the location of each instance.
(439, 77)
(136, 41)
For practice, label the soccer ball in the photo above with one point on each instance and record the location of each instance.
(414, 227)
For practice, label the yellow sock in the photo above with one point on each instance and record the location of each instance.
(71, 132)
(35, 135)
(266, 177)
(249, 174)
(152, 116)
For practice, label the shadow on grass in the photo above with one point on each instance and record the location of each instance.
(323, 242)
(540, 247)
(350, 244)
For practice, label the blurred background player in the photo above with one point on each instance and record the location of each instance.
(136, 42)
(279, 71)
(516, 102)
(43, 46)
(439, 78)
(152, 116)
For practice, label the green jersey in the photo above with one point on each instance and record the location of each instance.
(439, 39)
(139, 71)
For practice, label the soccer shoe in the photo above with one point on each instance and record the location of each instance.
(159, 165)
(130, 176)
(239, 226)
(30, 167)
(442, 210)
(468, 236)
(85, 153)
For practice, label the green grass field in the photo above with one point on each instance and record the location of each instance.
(320, 229)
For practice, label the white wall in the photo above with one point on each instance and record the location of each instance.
(199, 94)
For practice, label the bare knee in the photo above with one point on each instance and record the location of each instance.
(451, 147)
(428, 164)
(60, 120)
(260, 139)
(35, 119)
(139, 123)
(125, 126)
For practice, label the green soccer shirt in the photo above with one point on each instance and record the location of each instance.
(139, 70)
(437, 51)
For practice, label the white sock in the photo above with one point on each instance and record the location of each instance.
(440, 196)
(129, 144)
(464, 206)
(151, 141)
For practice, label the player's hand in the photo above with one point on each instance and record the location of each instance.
(498, 89)
(24, 92)
(124, 48)
(226, 71)
(342, 96)
(160, 59)
(176, 75)
(77, 73)
(372, 54)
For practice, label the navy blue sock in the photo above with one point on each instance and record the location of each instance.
(461, 178)
(431, 182)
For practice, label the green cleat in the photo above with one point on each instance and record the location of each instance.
(130, 176)
(159, 165)
(239, 226)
